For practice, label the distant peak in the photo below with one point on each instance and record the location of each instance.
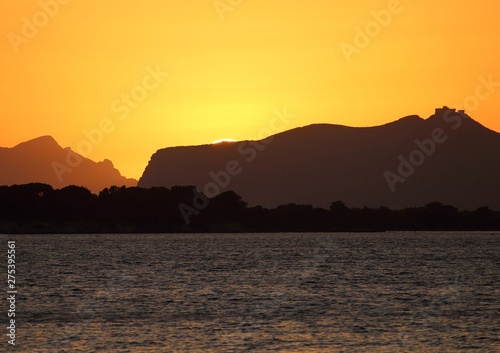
(441, 112)
(446, 111)
(44, 138)
(40, 141)
(411, 118)
(407, 120)
(106, 163)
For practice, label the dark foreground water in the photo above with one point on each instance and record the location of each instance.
(392, 292)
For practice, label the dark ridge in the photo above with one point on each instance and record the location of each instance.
(361, 166)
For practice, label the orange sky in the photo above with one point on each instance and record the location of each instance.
(68, 67)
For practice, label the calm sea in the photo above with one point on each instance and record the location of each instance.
(380, 292)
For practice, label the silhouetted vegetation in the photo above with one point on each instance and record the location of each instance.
(38, 208)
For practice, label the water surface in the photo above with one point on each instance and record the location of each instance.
(378, 292)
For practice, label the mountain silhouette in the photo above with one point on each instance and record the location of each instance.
(43, 160)
(447, 158)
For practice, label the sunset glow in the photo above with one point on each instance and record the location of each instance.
(223, 141)
(133, 77)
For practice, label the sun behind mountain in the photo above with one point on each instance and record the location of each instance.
(223, 141)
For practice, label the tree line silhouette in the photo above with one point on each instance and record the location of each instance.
(38, 208)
